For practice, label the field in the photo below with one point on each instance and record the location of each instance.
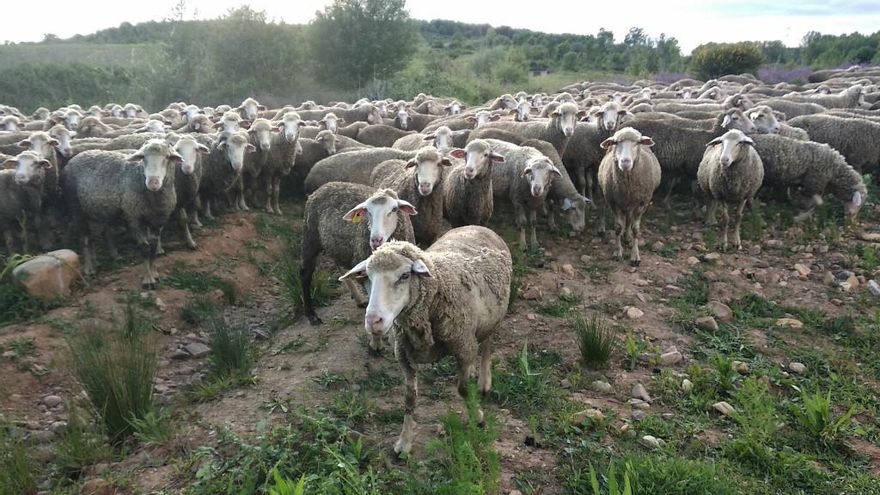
(312, 403)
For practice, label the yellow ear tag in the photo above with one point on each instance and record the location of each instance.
(357, 218)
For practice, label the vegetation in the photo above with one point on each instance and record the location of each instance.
(18, 471)
(596, 339)
(717, 59)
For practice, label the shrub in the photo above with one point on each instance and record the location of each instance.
(717, 59)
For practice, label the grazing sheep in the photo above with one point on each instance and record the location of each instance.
(628, 176)
(353, 166)
(381, 135)
(766, 121)
(815, 168)
(556, 131)
(730, 173)
(223, 168)
(448, 299)
(378, 216)
(468, 189)
(105, 186)
(858, 140)
(22, 190)
(420, 182)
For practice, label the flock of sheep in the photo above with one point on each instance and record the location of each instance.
(385, 177)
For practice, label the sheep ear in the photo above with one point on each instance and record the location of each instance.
(646, 141)
(495, 157)
(302, 123)
(9, 164)
(494, 118)
(581, 114)
(174, 157)
(566, 204)
(203, 149)
(555, 113)
(261, 107)
(356, 214)
(526, 171)
(249, 148)
(340, 122)
(429, 137)
(556, 171)
(726, 121)
(26, 143)
(471, 119)
(46, 164)
(412, 163)
(406, 207)
(458, 153)
(445, 162)
(587, 200)
(420, 269)
(280, 125)
(136, 157)
(780, 115)
(747, 140)
(359, 271)
(607, 144)
(857, 199)
(714, 142)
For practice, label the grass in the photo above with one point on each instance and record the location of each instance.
(116, 367)
(80, 445)
(817, 418)
(230, 361)
(528, 386)
(615, 487)
(19, 472)
(15, 303)
(198, 310)
(21, 347)
(561, 307)
(154, 428)
(199, 282)
(324, 288)
(596, 339)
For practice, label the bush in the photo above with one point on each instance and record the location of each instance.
(717, 59)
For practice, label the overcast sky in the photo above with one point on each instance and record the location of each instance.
(692, 22)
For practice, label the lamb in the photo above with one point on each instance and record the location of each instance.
(105, 186)
(813, 167)
(281, 159)
(223, 168)
(525, 180)
(420, 182)
(353, 166)
(730, 173)
(766, 121)
(556, 131)
(468, 191)
(381, 135)
(329, 213)
(628, 176)
(22, 187)
(858, 140)
(448, 299)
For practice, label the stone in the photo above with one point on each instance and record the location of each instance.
(671, 357)
(594, 415)
(196, 349)
(618, 290)
(828, 278)
(724, 408)
(843, 275)
(58, 427)
(638, 415)
(773, 243)
(790, 323)
(531, 294)
(585, 258)
(638, 404)
(720, 311)
(874, 288)
(565, 383)
(531, 316)
(600, 386)
(706, 323)
(802, 270)
(687, 386)
(693, 261)
(754, 250)
(48, 276)
(42, 436)
(9, 355)
(180, 354)
(51, 401)
(565, 292)
(651, 442)
(568, 269)
(853, 282)
(634, 313)
(712, 257)
(639, 392)
(97, 487)
(515, 492)
(160, 305)
(797, 368)
(741, 367)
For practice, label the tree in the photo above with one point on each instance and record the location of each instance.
(717, 59)
(354, 41)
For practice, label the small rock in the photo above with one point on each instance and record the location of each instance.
(48, 276)
(531, 316)
(874, 288)
(639, 392)
(568, 269)
(773, 243)
(693, 261)
(790, 322)
(58, 426)
(638, 404)
(515, 492)
(754, 249)
(657, 246)
(618, 290)
(707, 323)
(687, 386)
(651, 442)
(52, 401)
(179, 354)
(600, 386)
(638, 415)
(42, 436)
(721, 311)
(797, 368)
(261, 334)
(594, 415)
(196, 349)
(741, 367)
(724, 408)
(160, 305)
(802, 270)
(9, 355)
(853, 282)
(586, 258)
(634, 313)
(531, 294)
(97, 487)
(843, 275)
(671, 357)
(828, 278)
(565, 383)
(712, 257)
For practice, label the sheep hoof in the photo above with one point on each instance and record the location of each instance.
(148, 285)
(193, 246)
(635, 262)
(315, 321)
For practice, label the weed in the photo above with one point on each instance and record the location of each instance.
(561, 307)
(528, 387)
(232, 352)
(724, 374)
(215, 386)
(198, 310)
(79, 445)
(676, 476)
(22, 347)
(596, 339)
(283, 486)
(199, 282)
(378, 380)
(324, 285)
(817, 419)
(351, 407)
(18, 470)
(634, 349)
(154, 428)
(295, 344)
(613, 484)
(330, 380)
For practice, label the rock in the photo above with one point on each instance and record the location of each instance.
(51, 401)
(568, 269)
(196, 349)
(160, 305)
(515, 492)
(638, 415)
(565, 383)
(853, 282)
(657, 246)
(802, 270)
(874, 288)
(42, 436)
(634, 313)
(712, 257)
(97, 487)
(671, 357)
(741, 367)
(724, 408)
(586, 258)
(8, 355)
(261, 334)
(706, 323)
(754, 250)
(594, 415)
(843, 275)
(693, 261)
(531, 316)
(58, 427)
(828, 278)
(720, 311)
(797, 368)
(565, 292)
(48, 276)
(638, 404)
(180, 354)
(790, 322)
(651, 442)
(600, 386)
(687, 386)
(639, 392)
(618, 290)
(531, 294)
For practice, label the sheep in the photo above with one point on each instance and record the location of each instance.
(411, 121)
(281, 159)
(503, 102)
(367, 113)
(628, 176)
(22, 190)
(381, 135)
(467, 198)
(858, 140)
(80, 145)
(378, 216)
(311, 151)
(353, 166)
(766, 121)
(815, 168)
(223, 168)
(10, 123)
(62, 135)
(525, 180)
(852, 97)
(443, 139)
(131, 141)
(420, 182)
(556, 131)
(199, 123)
(793, 108)
(461, 122)
(583, 152)
(105, 186)
(448, 299)
(230, 122)
(260, 135)
(249, 109)
(187, 180)
(92, 127)
(730, 174)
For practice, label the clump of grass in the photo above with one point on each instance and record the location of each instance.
(199, 282)
(284, 486)
(561, 307)
(528, 386)
(614, 486)
(324, 285)
(15, 303)
(817, 418)
(154, 428)
(18, 470)
(230, 361)
(79, 445)
(116, 368)
(198, 310)
(596, 339)
(634, 348)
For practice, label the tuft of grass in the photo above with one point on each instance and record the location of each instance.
(15, 303)
(614, 486)
(232, 352)
(324, 284)
(528, 385)
(21, 347)
(116, 368)
(817, 418)
(18, 470)
(634, 349)
(199, 282)
(284, 486)
(561, 307)
(79, 445)
(154, 428)
(596, 339)
(198, 310)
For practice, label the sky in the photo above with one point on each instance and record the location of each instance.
(691, 22)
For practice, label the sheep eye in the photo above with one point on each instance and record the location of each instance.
(403, 277)
(394, 210)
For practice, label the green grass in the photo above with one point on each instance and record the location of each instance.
(596, 339)
(529, 384)
(19, 472)
(561, 306)
(817, 418)
(21, 347)
(199, 282)
(154, 428)
(15, 303)
(117, 368)
(79, 445)
(325, 286)
(230, 361)
(199, 309)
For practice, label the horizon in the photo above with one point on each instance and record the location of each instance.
(691, 23)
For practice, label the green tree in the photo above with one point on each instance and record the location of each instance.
(718, 59)
(570, 61)
(354, 41)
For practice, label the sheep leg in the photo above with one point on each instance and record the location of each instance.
(356, 294)
(309, 258)
(737, 222)
(411, 392)
(44, 232)
(276, 193)
(466, 371)
(9, 237)
(603, 211)
(194, 214)
(183, 220)
(550, 214)
(484, 382)
(725, 223)
(208, 214)
(620, 225)
(148, 282)
(532, 233)
(667, 200)
(269, 208)
(711, 212)
(154, 245)
(520, 224)
(88, 259)
(636, 227)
